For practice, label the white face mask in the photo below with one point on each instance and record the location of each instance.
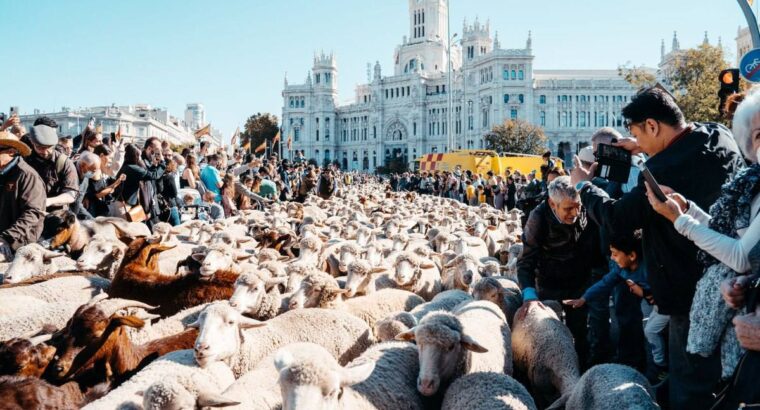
(89, 174)
(757, 156)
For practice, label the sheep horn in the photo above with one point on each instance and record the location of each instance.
(114, 305)
(40, 339)
(97, 298)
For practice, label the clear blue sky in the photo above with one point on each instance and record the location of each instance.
(231, 55)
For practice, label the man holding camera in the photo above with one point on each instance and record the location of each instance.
(56, 170)
(696, 160)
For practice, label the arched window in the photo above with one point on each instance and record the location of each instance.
(542, 118)
(521, 97)
(520, 75)
(514, 74)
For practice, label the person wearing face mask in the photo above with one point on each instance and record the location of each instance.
(22, 197)
(695, 159)
(87, 165)
(56, 170)
(725, 237)
(559, 251)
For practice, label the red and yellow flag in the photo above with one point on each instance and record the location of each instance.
(261, 147)
(203, 131)
(276, 138)
(290, 142)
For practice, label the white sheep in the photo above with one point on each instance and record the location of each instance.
(488, 391)
(608, 386)
(363, 279)
(416, 274)
(544, 350)
(475, 337)
(461, 272)
(171, 394)
(387, 328)
(34, 260)
(321, 291)
(167, 326)
(502, 291)
(223, 335)
(177, 366)
(102, 255)
(257, 295)
(382, 378)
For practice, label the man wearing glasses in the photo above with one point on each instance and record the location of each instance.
(694, 159)
(55, 168)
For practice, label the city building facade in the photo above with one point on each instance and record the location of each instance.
(405, 115)
(139, 121)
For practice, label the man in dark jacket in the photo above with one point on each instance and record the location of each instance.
(22, 198)
(695, 160)
(57, 171)
(558, 254)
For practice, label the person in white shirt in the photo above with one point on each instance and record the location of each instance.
(726, 235)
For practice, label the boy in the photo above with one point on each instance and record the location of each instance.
(470, 193)
(625, 251)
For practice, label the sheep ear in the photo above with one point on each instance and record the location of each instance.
(491, 228)
(407, 336)
(248, 323)
(207, 399)
(243, 256)
(427, 265)
(48, 255)
(269, 283)
(378, 270)
(194, 325)
(560, 404)
(283, 258)
(470, 344)
(198, 257)
(283, 359)
(356, 374)
(129, 321)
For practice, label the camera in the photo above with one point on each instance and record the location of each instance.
(614, 163)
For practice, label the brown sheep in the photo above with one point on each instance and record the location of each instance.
(136, 280)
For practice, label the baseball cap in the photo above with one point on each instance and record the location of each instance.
(586, 154)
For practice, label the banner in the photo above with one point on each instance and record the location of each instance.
(261, 148)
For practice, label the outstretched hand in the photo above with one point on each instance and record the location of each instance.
(672, 208)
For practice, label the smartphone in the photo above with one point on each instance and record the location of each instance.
(653, 185)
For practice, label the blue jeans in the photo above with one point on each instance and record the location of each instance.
(653, 330)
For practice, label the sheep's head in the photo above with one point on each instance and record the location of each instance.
(220, 333)
(85, 329)
(317, 289)
(375, 255)
(360, 276)
(408, 267)
(441, 342)
(101, 254)
(315, 380)
(388, 328)
(309, 245)
(250, 288)
(268, 254)
(491, 268)
(218, 257)
(348, 253)
(488, 289)
(31, 259)
(224, 238)
(172, 395)
(25, 356)
(442, 241)
(465, 268)
(400, 240)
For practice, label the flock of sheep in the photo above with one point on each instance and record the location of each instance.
(370, 300)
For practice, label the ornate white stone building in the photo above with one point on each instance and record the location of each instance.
(405, 114)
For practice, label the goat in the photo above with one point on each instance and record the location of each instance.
(136, 280)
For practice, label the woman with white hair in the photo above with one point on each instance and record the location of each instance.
(726, 236)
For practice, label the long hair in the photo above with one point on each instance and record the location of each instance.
(87, 136)
(192, 164)
(132, 156)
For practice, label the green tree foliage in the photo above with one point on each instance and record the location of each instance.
(517, 136)
(638, 76)
(694, 79)
(260, 127)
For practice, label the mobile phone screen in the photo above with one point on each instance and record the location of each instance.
(653, 185)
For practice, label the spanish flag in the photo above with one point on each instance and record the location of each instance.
(276, 138)
(290, 142)
(118, 133)
(247, 144)
(234, 139)
(203, 131)
(261, 147)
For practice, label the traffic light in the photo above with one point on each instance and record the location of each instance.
(729, 84)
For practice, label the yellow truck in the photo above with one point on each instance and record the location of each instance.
(482, 161)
